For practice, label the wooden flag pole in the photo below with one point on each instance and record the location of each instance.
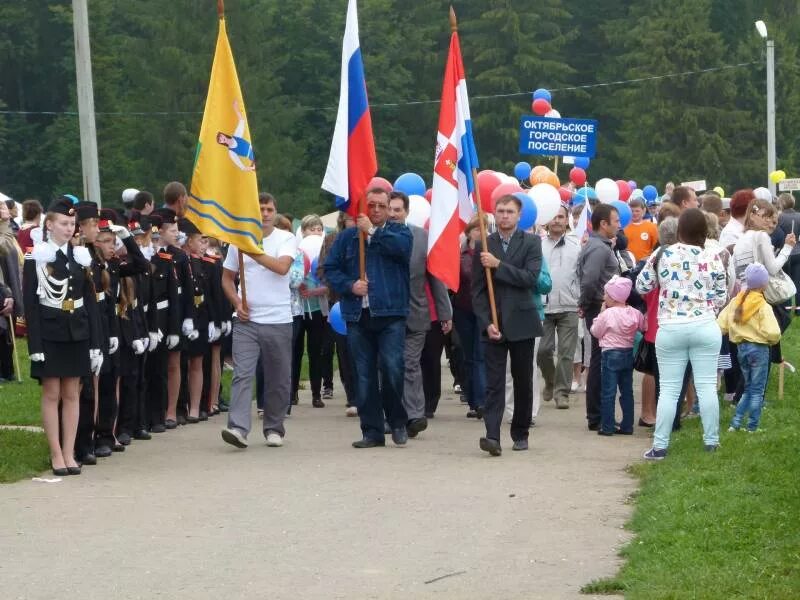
(242, 283)
(362, 240)
(14, 347)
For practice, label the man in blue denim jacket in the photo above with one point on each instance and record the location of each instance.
(375, 310)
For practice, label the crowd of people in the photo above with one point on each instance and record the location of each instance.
(131, 316)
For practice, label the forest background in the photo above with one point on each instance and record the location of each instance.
(152, 61)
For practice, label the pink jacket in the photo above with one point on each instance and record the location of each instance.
(616, 327)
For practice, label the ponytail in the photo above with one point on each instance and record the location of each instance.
(737, 314)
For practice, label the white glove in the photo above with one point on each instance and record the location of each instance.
(153, 340)
(138, 347)
(145, 342)
(113, 345)
(213, 333)
(172, 341)
(226, 327)
(95, 361)
(160, 336)
(187, 327)
(193, 335)
(120, 231)
(37, 357)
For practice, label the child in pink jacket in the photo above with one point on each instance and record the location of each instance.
(615, 327)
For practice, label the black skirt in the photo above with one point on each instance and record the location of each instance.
(62, 359)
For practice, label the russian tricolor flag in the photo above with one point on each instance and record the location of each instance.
(453, 183)
(352, 162)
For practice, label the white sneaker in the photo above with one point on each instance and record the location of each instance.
(260, 413)
(274, 440)
(457, 388)
(574, 387)
(351, 411)
(234, 437)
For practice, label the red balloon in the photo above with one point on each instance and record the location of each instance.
(504, 189)
(306, 264)
(427, 225)
(577, 176)
(380, 182)
(624, 190)
(487, 182)
(428, 194)
(566, 195)
(541, 106)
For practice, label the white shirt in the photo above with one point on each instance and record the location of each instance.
(268, 295)
(731, 233)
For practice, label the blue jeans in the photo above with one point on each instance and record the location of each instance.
(617, 371)
(678, 344)
(754, 362)
(376, 343)
(469, 333)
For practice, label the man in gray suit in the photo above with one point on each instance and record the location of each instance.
(419, 316)
(515, 259)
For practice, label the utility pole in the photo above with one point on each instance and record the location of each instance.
(83, 72)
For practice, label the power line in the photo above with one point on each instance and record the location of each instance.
(398, 104)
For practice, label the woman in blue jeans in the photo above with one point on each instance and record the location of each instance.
(693, 288)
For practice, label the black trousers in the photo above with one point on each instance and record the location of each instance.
(455, 357)
(521, 356)
(84, 440)
(156, 371)
(594, 378)
(106, 409)
(430, 363)
(310, 326)
(328, 349)
(6, 353)
(346, 373)
(131, 409)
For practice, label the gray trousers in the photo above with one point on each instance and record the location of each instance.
(273, 343)
(558, 376)
(413, 392)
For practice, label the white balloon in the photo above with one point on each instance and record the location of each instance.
(607, 190)
(553, 114)
(507, 178)
(547, 201)
(763, 193)
(419, 211)
(311, 245)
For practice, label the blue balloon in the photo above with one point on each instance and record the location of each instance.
(527, 217)
(336, 320)
(312, 271)
(542, 93)
(582, 162)
(411, 184)
(522, 171)
(583, 193)
(624, 211)
(650, 193)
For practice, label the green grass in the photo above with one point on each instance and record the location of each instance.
(23, 454)
(19, 402)
(723, 525)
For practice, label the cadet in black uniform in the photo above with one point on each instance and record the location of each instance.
(164, 323)
(212, 362)
(60, 309)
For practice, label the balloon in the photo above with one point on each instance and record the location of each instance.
(380, 182)
(553, 114)
(527, 217)
(632, 185)
(547, 201)
(582, 193)
(577, 176)
(335, 319)
(777, 176)
(311, 245)
(607, 190)
(566, 194)
(504, 189)
(542, 94)
(487, 182)
(536, 172)
(544, 175)
(636, 194)
(419, 211)
(624, 190)
(428, 194)
(763, 193)
(507, 178)
(312, 270)
(522, 171)
(411, 184)
(650, 193)
(541, 106)
(582, 162)
(306, 264)
(624, 212)
(720, 191)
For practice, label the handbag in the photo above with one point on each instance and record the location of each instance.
(644, 360)
(780, 288)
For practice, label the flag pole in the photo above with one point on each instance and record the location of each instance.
(14, 347)
(481, 221)
(362, 259)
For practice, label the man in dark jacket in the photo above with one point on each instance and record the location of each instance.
(375, 308)
(597, 263)
(515, 259)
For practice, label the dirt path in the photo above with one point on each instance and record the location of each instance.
(186, 516)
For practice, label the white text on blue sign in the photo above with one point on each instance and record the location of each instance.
(558, 137)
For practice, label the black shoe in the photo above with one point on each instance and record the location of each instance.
(171, 424)
(491, 446)
(479, 413)
(643, 423)
(472, 414)
(74, 470)
(203, 416)
(223, 407)
(295, 399)
(400, 436)
(181, 420)
(192, 420)
(606, 433)
(619, 431)
(60, 472)
(88, 459)
(429, 415)
(369, 443)
(118, 447)
(594, 426)
(102, 451)
(327, 394)
(142, 435)
(416, 426)
(520, 445)
(158, 428)
(317, 403)
(124, 439)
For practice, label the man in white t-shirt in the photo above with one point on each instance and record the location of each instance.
(263, 328)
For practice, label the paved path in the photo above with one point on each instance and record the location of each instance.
(186, 516)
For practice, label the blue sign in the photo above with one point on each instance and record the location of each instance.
(557, 137)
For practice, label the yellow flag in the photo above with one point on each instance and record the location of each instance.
(223, 201)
